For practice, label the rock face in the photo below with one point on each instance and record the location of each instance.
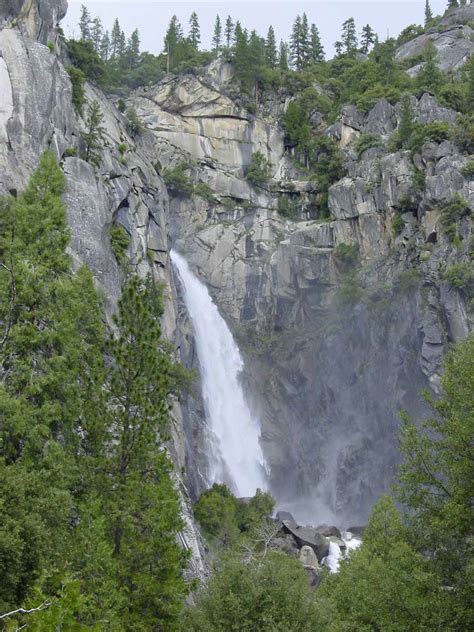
(37, 18)
(334, 349)
(453, 39)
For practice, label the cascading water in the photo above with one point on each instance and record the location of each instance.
(235, 455)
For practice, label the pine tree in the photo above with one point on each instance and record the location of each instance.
(316, 47)
(295, 44)
(105, 46)
(305, 41)
(132, 54)
(406, 125)
(173, 38)
(430, 76)
(97, 33)
(115, 39)
(194, 31)
(229, 32)
(85, 24)
(94, 136)
(349, 36)
(217, 37)
(367, 39)
(453, 4)
(428, 13)
(338, 46)
(271, 56)
(283, 56)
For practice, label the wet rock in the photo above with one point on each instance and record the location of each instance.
(328, 531)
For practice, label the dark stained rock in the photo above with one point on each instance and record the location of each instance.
(357, 531)
(308, 536)
(328, 531)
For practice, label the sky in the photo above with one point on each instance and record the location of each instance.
(151, 17)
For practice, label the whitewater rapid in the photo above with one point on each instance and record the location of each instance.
(234, 453)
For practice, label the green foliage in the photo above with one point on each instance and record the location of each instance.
(461, 276)
(177, 180)
(436, 482)
(88, 510)
(468, 169)
(452, 213)
(350, 292)
(120, 241)
(77, 78)
(288, 207)
(83, 57)
(367, 141)
(325, 162)
(384, 585)
(408, 281)
(269, 594)
(134, 124)
(430, 77)
(398, 224)
(258, 171)
(224, 518)
(204, 191)
(436, 132)
(70, 152)
(347, 255)
(463, 134)
(94, 136)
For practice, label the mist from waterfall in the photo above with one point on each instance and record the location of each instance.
(234, 453)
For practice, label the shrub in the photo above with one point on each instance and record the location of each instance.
(408, 280)
(204, 191)
(347, 254)
(71, 152)
(468, 169)
(287, 207)
(367, 141)
(461, 276)
(463, 134)
(451, 214)
(78, 80)
(121, 106)
(51, 47)
(350, 292)
(122, 148)
(119, 240)
(435, 132)
(258, 171)
(134, 124)
(397, 224)
(84, 57)
(177, 180)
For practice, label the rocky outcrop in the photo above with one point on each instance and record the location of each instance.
(38, 19)
(453, 38)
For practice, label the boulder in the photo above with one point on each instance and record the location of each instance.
(328, 531)
(340, 543)
(285, 515)
(286, 544)
(308, 536)
(308, 557)
(359, 531)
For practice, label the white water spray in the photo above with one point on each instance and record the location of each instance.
(235, 457)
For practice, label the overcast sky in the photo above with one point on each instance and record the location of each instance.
(151, 17)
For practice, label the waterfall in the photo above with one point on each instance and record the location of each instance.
(235, 455)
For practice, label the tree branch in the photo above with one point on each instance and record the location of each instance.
(43, 606)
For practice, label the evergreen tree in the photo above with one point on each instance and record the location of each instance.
(283, 56)
(97, 33)
(271, 56)
(430, 77)
(470, 86)
(295, 44)
(105, 46)
(133, 50)
(217, 37)
(194, 31)
(316, 47)
(367, 38)
(406, 125)
(428, 13)
(338, 46)
(305, 41)
(85, 24)
(229, 32)
(172, 41)
(115, 39)
(349, 36)
(94, 136)
(453, 4)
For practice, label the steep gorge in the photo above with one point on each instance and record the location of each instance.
(330, 356)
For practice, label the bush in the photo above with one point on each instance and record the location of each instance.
(350, 292)
(134, 124)
(177, 180)
(204, 191)
(463, 134)
(435, 132)
(347, 254)
(451, 214)
(287, 207)
(258, 171)
(468, 169)
(461, 276)
(119, 240)
(71, 152)
(85, 58)
(367, 141)
(397, 224)
(78, 81)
